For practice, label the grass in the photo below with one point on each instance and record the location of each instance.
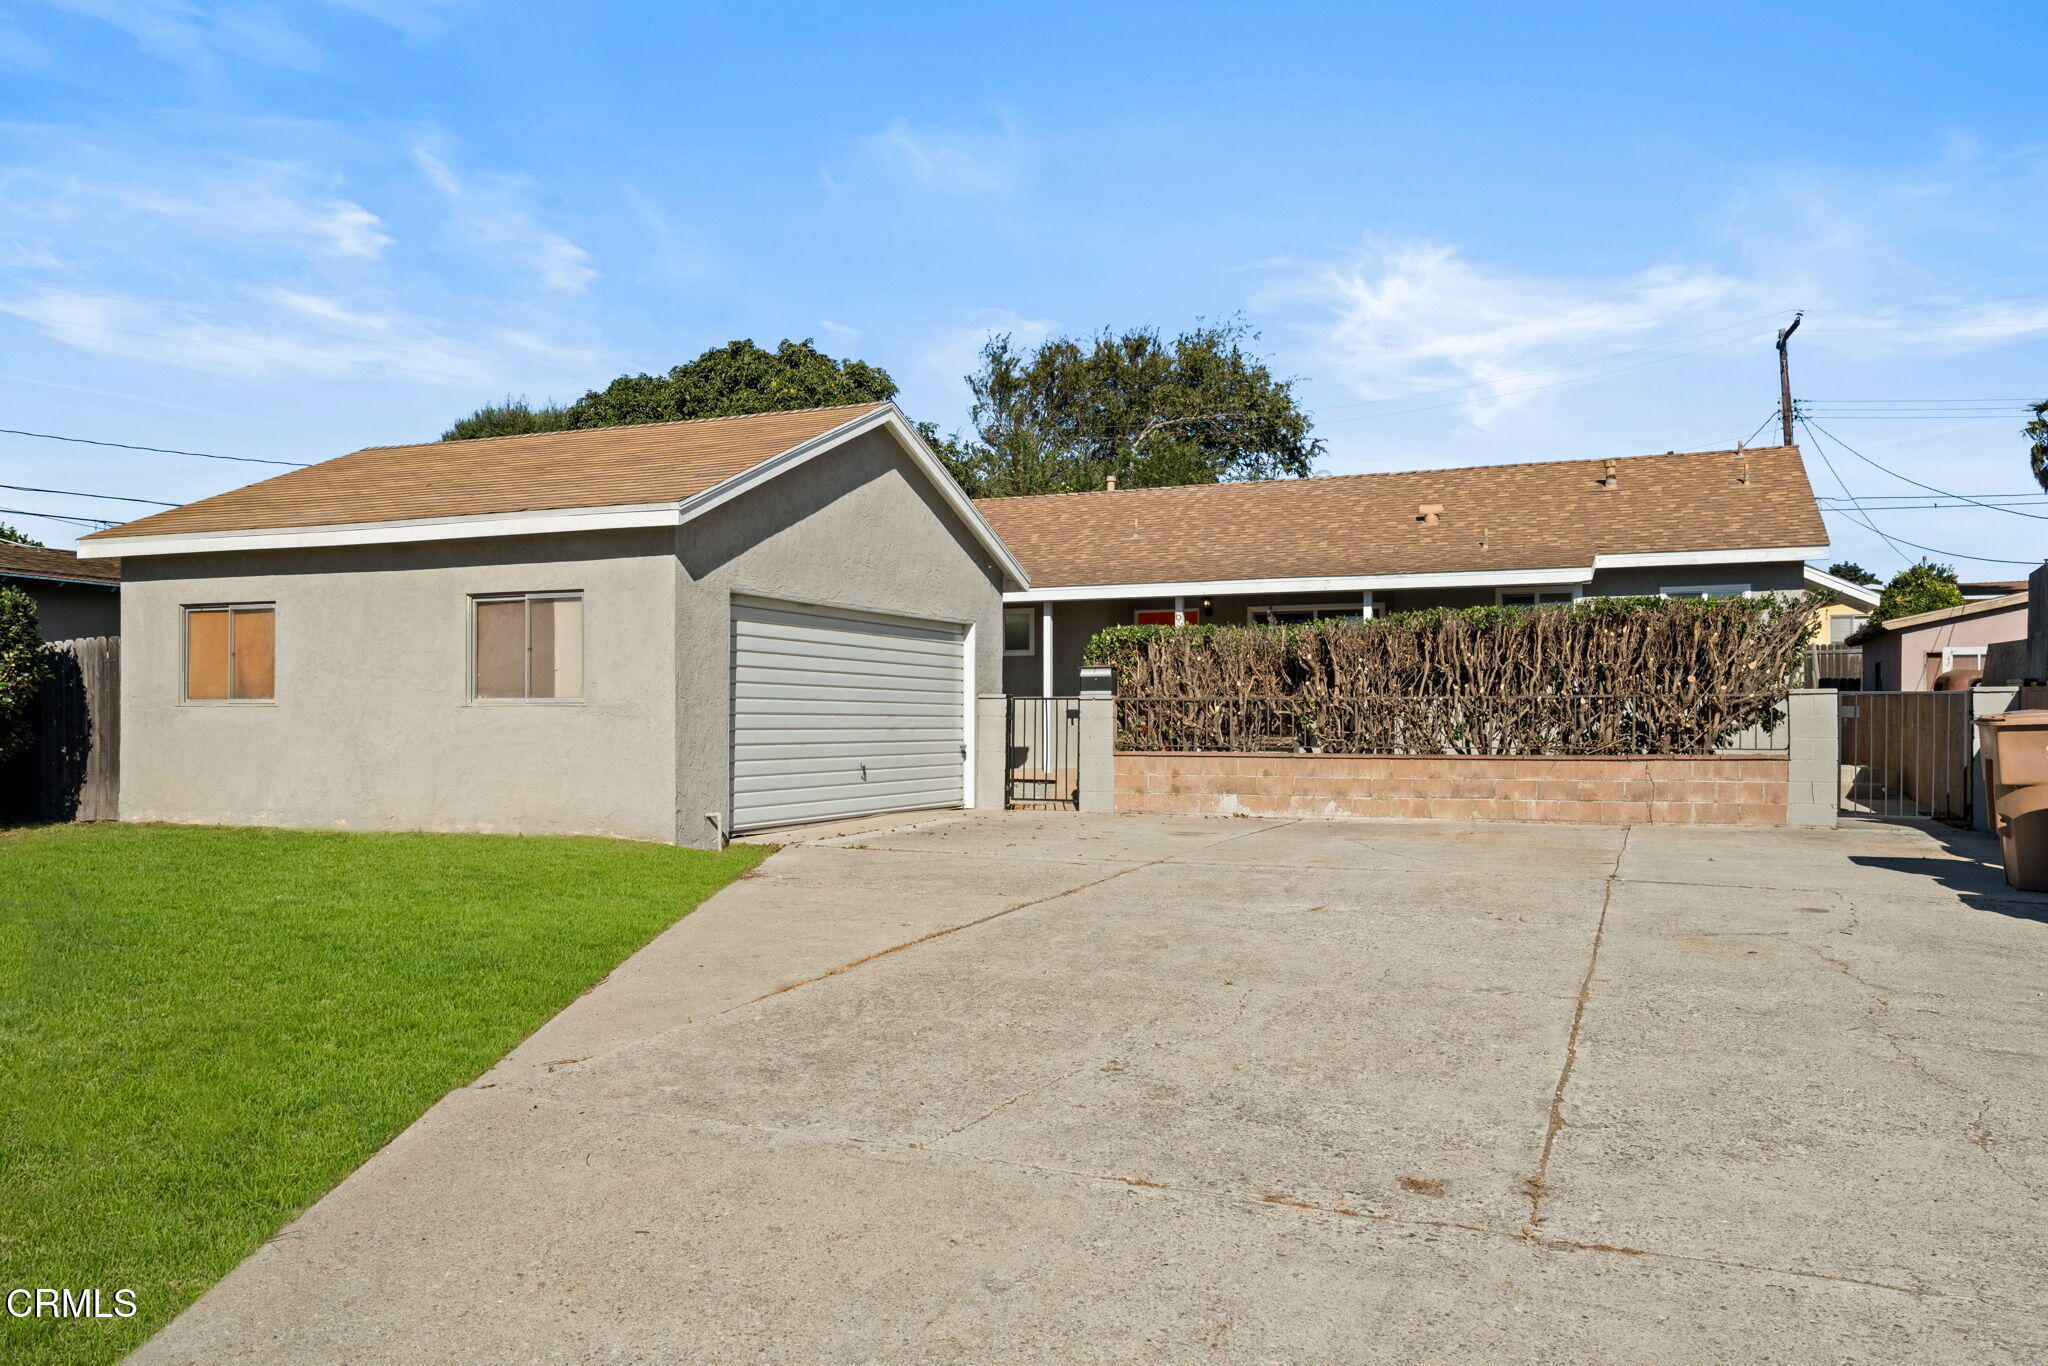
(202, 1030)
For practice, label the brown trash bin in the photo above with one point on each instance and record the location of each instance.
(2015, 749)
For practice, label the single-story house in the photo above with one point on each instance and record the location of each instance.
(76, 599)
(1701, 524)
(1938, 650)
(674, 631)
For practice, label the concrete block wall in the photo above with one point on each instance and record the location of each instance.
(1813, 759)
(991, 754)
(1686, 790)
(1098, 754)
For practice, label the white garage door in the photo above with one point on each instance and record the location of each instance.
(843, 714)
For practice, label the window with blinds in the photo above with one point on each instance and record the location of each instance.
(526, 647)
(231, 653)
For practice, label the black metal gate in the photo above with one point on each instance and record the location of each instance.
(1906, 754)
(1042, 754)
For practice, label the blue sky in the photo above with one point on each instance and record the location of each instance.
(1477, 233)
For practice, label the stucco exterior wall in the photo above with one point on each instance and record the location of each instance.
(72, 611)
(372, 726)
(1899, 661)
(858, 527)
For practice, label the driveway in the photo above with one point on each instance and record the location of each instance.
(1060, 1089)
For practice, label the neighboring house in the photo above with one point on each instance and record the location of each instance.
(1999, 588)
(1943, 648)
(1719, 522)
(670, 632)
(75, 599)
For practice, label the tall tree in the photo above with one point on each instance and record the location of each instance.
(2037, 432)
(513, 417)
(1854, 573)
(734, 379)
(726, 381)
(1066, 416)
(8, 533)
(1921, 587)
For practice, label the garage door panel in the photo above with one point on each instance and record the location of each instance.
(755, 753)
(840, 808)
(862, 644)
(822, 785)
(764, 680)
(843, 715)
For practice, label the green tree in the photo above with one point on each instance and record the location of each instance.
(1854, 573)
(1921, 587)
(513, 417)
(726, 381)
(2037, 432)
(8, 533)
(24, 664)
(1066, 416)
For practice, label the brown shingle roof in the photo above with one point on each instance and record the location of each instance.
(37, 562)
(654, 462)
(1539, 516)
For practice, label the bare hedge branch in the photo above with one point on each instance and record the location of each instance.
(1608, 676)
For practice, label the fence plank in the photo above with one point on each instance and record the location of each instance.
(72, 770)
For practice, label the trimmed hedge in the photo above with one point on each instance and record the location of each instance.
(1605, 676)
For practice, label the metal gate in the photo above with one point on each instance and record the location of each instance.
(1042, 754)
(1906, 754)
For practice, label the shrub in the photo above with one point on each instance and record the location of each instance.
(1605, 676)
(24, 664)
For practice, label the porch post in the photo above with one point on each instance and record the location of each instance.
(1045, 646)
(1180, 611)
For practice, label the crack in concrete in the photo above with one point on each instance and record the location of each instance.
(1538, 1184)
(940, 933)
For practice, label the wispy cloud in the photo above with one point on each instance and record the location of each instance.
(1395, 318)
(272, 204)
(952, 161)
(487, 212)
(196, 36)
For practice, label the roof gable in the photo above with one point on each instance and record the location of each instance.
(656, 462)
(646, 475)
(1558, 514)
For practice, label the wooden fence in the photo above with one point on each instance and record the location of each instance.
(72, 769)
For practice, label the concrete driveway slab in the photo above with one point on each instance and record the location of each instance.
(1093, 1089)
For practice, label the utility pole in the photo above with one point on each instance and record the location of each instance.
(1785, 378)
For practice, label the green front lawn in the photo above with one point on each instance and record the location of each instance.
(202, 1030)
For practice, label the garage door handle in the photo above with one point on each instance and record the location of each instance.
(863, 772)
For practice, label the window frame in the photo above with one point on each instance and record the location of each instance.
(1708, 590)
(1260, 614)
(185, 611)
(1031, 624)
(1574, 590)
(527, 600)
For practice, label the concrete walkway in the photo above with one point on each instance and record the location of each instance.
(1054, 1089)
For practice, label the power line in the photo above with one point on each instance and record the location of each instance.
(1814, 426)
(104, 497)
(59, 517)
(159, 450)
(1858, 515)
(1895, 542)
